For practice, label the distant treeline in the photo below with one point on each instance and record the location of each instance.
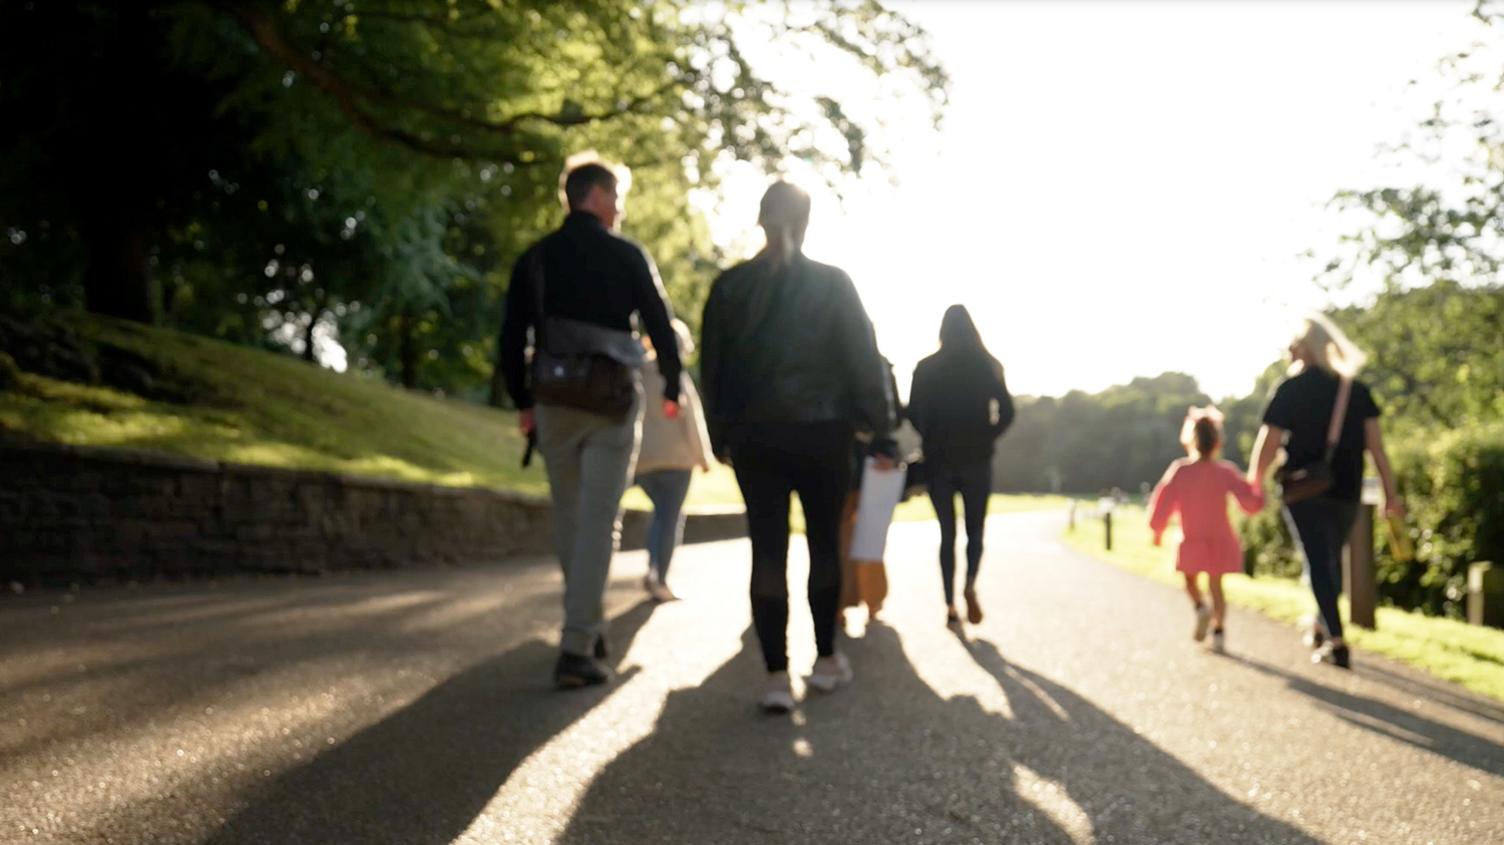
(1121, 437)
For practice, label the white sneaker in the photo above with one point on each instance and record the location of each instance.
(1203, 620)
(778, 695)
(1219, 643)
(830, 672)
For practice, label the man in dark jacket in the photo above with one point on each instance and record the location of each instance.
(593, 276)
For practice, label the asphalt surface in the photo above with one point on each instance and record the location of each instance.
(414, 707)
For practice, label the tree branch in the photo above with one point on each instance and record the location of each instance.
(352, 97)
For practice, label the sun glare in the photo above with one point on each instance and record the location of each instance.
(1120, 189)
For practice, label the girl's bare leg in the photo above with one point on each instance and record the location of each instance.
(1219, 602)
(1192, 589)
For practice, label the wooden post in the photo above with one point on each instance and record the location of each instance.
(1362, 580)
(1107, 525)
(1485, 594)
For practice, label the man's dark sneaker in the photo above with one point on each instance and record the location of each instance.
(574, 670)
(600, 648)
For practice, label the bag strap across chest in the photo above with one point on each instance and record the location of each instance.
(1339, 415)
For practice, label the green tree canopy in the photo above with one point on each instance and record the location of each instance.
(259, 169)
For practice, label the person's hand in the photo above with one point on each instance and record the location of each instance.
(525, 421)
(1394, 506)
(883, 463)
(1158, 539)
(670, 409)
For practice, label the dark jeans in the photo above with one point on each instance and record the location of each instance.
(1322, 526)
(974, 483)
(772, 461)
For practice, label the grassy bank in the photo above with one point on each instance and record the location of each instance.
(1465, 654)
(232, 403)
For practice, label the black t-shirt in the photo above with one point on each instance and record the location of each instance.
(1302, 405)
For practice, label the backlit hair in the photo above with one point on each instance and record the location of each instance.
(1327, 347)
(1201, 433)
(784, 216)
(585, 171)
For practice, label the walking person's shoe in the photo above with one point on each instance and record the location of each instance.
(1203, 621)
(1219, 642)
(574, 671)
(1333, 653)
(952, 618)
(660, 592)
(601, 652)
(777, 695)
(973, 607)
(830, 672)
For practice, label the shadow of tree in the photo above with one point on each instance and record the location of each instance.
(1386, 719)
(423, 774)
(200, 646)
(890, 760)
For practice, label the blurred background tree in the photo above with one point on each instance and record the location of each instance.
(357, 175)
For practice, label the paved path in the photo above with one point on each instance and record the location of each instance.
(413, 707)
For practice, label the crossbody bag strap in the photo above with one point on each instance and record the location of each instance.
(1339, 414)
(535, 277)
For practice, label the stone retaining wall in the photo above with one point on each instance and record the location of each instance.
(70, 515)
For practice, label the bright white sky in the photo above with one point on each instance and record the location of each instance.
(1124, 188)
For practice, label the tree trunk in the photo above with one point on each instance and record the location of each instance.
(116, 281)
(320, 302)
(407, 351)
(313, 321)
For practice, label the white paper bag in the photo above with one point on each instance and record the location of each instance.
(881, 490)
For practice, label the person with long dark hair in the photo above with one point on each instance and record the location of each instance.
(791, 372)
(1325, 418)
(960, 405)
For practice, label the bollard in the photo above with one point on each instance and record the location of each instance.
(1485, 595)
(1107, 526)
(1362, 580)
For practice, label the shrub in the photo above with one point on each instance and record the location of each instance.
(1454, 487)
(1268, 548)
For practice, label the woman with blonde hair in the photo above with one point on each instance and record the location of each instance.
(791, 373)
(1325, 419)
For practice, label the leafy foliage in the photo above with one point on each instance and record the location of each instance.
(290, 173)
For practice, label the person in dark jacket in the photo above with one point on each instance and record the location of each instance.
(592, 276)
(959, 404)
(790, 371)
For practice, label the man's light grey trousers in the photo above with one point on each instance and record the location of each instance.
(589, 459)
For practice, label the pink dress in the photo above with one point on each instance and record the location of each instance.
(1198, 491)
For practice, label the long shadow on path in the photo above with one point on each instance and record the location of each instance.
(890, 760)
(424, 773)
(1394, 722)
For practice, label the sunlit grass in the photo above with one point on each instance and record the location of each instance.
(1469, 655)
(274, 410)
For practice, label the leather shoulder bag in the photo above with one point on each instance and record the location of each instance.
(580, 365)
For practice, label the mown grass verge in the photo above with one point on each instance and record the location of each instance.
(1453, 651)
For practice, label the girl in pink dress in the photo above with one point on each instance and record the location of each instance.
(1197, 488)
